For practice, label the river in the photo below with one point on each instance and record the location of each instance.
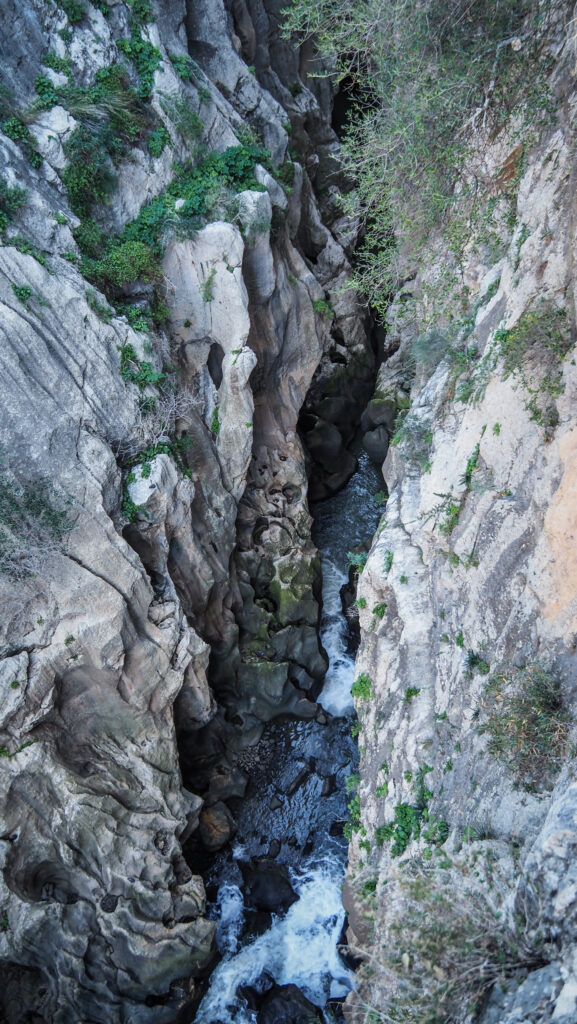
(295, 811)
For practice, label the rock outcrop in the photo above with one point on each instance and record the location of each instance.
(154, 530)
(461, 869)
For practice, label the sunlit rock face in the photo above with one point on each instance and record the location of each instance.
(153, 560)
(469, 602)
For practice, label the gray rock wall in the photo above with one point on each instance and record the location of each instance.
(460, 890)
(140, 564)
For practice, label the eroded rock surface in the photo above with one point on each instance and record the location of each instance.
(469, 597)
(173, 576)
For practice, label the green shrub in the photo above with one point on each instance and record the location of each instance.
(157, 142)
(141, 11)
(286, 175)
(410, 692)
(475, 663)
(138, 371)
(324, 308)
(16, 130)
(526, 722)
(46, 92)
(380, 609)
(423, 73)
(215, 421)
(28, 248)
(357, 560)
(369, 887)
(207, 287)
(126, 263)
(352, 782)
(11, 200)
(23, 293)
(74, 10)
(533, 350)
(544, 329)
(145, 57)
(60, 64)
(137, 317)
(184, 66)
(362, 687)
(88, 177)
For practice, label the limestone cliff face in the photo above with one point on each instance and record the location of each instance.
(466, 670)
(143, 555)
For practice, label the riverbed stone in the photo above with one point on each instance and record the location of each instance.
(217, 826)
(268, 886)
(286, 1004)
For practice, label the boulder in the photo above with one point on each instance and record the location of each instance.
(217, 826)
(267, 886)
(285, 1004)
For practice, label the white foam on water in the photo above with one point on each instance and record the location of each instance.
(335, 696)
(230, 906)
(299, 948)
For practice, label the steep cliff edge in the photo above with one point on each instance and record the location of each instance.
(461, 888)
(167, 286)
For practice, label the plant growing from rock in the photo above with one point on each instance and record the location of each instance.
(362, 687)
(442, 955)
(526, 722)
(207, 287)
(428, 74)
(11, 200)
(533, 351)
(34, 522)
(357, 560)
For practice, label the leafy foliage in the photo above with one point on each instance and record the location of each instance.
(138, 371)
(88, 177)
(126, 263)
(362, 687)
(145, 57)
(23, 293)
(74, 10)
(157, 141)
(16, 130)
(184, 66)
(11, 200)
(26, 246)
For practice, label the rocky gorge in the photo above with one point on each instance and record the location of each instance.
(171, 289)
(188, 365)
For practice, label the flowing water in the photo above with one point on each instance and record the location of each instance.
(295, 810)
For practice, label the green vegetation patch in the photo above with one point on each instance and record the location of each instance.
(362, 687)
(16, 130)
(33, 523)
(533, 351)
(425, 75)
(11, 200)
(526, 723)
